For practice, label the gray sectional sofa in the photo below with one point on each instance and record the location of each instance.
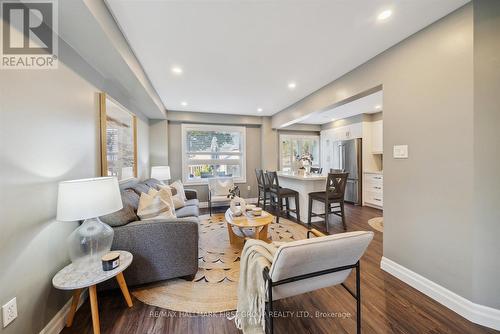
(162, 249)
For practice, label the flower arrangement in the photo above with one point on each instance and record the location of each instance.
(234, 191)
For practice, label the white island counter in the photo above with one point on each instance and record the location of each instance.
(304, 184)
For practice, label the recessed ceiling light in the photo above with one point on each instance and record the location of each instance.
(176, 70)
(384, 15)
(259, 109)
(292, 85)
(184, 103)
(378, 107)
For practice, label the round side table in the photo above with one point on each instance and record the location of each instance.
(88, 276)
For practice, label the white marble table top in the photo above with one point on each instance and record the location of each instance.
(77, 277)
(310, 177)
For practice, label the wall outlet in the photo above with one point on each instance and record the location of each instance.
(249, 188)
(9, 312)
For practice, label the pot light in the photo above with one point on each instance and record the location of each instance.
(292, 85)
(384, 15)
(176, 70)
(378, 107)
(259, 109)
(184, 103)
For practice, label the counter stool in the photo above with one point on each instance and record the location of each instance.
(278, 194)
(263, 188)
(334, 194)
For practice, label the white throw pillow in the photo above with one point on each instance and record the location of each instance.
(165, 194)
(177, 199)
(153, 207)
(222, 186)
(179, 187)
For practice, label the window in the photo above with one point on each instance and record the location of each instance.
(213, 150)
(293, 147)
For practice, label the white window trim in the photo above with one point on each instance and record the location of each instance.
(287, 136)
(186, 127)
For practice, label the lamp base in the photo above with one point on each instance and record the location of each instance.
(90, 241)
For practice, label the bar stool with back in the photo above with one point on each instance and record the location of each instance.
(278, 194)
(334, 194)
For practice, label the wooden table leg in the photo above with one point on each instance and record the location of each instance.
(95, 309)
(123, 287)
(74, 305)
(263, 234)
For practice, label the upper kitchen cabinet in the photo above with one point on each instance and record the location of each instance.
(377, 137)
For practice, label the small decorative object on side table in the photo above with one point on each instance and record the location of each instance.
(238, 204)
(77, 277)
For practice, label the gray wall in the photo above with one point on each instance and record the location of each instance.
(486, 152)
(49, 131)
(253, 147)
(158, 142)
(428, 104)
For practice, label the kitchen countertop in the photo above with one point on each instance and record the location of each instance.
(311, 177)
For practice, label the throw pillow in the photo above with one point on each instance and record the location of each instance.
(153, 208)
(177, 199)
(165, 194)
(120, 217)
(222, 186)
(180, 189)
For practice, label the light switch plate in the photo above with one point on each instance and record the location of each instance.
(400, 152)
(9, 312)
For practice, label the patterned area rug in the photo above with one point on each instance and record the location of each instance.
(214, 288)
(377, 224)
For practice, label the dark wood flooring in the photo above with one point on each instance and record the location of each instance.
(388, 305)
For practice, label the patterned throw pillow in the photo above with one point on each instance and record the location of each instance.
(165, 194)
(177, 199)
(153, 207)
(179, 187)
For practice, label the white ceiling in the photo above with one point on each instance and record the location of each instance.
(240, 55)
(366, 105)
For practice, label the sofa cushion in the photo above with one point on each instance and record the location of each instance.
(180, 189)
(165, 194)
(130, 198)
(141, 188)
(154, 207)
(153, 183)
(193, 201)
(120, 217)
(188, 211)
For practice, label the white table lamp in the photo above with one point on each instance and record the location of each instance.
(161, 173)
(87, 199)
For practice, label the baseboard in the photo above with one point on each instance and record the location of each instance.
(57, 323)
(249, 200)
(479, 314)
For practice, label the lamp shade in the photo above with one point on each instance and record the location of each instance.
(88, 198)
(161, 173)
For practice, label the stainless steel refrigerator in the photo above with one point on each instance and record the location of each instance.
(347, 156)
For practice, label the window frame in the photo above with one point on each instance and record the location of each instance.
(297, 136)
(204, 127)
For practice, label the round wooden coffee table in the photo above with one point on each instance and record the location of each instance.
(247, 226)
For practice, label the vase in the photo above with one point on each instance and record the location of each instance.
(238, 206)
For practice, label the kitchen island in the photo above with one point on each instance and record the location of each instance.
(304, 184)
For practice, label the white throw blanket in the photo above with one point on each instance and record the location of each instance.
(256, 255)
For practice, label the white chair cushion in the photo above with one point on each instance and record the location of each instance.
(316, 254)
(218, 198)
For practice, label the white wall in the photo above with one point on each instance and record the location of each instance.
(49, 131)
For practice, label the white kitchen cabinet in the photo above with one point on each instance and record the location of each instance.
(373, 189)
(377, 137)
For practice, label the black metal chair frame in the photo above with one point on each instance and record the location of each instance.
(268, 316)
(330, 207)
(276, 199)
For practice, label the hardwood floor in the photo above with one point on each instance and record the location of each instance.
(388, 305)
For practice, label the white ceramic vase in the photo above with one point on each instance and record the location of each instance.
(235, 209)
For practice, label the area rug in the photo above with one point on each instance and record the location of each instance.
(214, 287)
(377, 223)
